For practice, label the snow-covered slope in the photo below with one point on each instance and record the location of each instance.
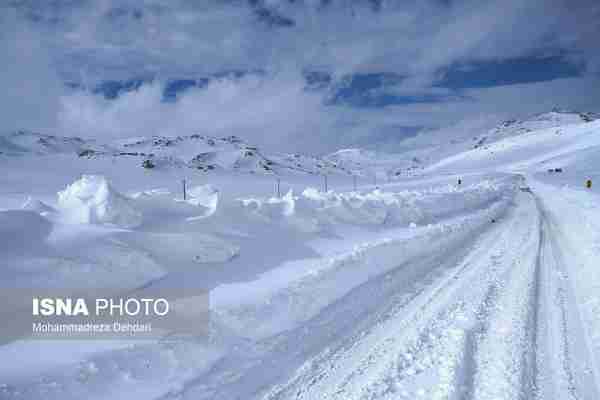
(425, 150)
(540, 148)
(553, 119)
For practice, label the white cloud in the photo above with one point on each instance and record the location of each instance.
(30, 85)
(89, 41)
(272, 111)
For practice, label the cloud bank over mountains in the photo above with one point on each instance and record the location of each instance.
(312, 74)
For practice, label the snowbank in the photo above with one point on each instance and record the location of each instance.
(157, 204)
(92, 200)
(283, 298)
(313, 211)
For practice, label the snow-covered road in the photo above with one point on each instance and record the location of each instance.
(503, 324)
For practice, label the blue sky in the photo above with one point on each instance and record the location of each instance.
(310, 75)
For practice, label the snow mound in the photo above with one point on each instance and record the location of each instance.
(204, 195)
(92, 200)
(159, 205)
(38, 206)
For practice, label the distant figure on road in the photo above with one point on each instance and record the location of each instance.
(588, 184)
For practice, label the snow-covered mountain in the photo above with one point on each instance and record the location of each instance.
(196, 151)
(201, 152)
(23, 142)
(232, 154)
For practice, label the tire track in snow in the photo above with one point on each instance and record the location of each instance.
(370, 369)
(490, 352)
(567, 369)
(505, 353)
(519, 343)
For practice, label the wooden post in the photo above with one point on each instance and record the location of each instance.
(278, 187)
(354, 182)
(184, 190)
(325, 176)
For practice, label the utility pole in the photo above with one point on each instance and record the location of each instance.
(184, 191)
(325, 176)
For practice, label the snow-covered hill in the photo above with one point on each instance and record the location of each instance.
(200, 152)
(196, 151)
(33, 143)
(232, 154)
(427, 150)
(541, 148)
(209, 153)
(553, 119)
